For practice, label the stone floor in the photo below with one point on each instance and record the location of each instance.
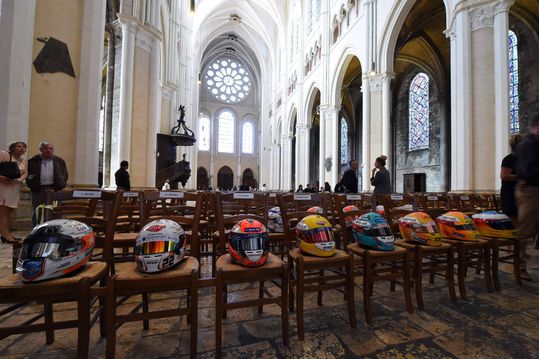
(497, 325)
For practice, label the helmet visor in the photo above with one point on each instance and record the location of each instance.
(249, 242)
(318, 235)
(380, 231)
(501, 225)
(465, 227)
(429, 227)
(48, 245)
(158, 247)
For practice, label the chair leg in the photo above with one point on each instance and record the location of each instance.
(225, 299)
(418, 277)
(486, 261)
(461, 272)
(284, 305)
(432, 274)
(299, 298)
(367, 288)
(102, 302)
(319, 296)
(145, 309)
(494, 264)
(83, 309)
(49, 319)
(350, 292)
(450, 275)
(193, 314)
(218, 313)
(110, 320)
(407, 294)
(261, 296)
(188, 303)
(291, 284)
(516, 261)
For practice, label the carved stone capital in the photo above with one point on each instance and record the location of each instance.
(482, 16)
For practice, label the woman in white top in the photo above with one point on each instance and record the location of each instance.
(10, 189)
(166, 186)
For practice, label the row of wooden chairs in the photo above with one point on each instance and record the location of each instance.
(208, 218)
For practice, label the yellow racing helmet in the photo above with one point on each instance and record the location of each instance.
(315, 236)
(457, 225)
(493, 224)
(418, 227)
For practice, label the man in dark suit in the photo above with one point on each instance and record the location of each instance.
(45, 171)
(349, 178)
(123, 182)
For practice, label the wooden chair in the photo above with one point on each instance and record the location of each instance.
(277, 239)
(434, 261)
(433, 201)
(338, 203)
(471, 255)
(103, 222)
(77, 287)
(228, 273)
(510, 254)
(464, 203)
(308, 272)
(128, 281)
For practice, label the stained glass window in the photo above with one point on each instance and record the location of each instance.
(228, 81)
(344, 140)
(225, 138)
(514, 125)
(204, 134)
(419, 113)
(247, 138)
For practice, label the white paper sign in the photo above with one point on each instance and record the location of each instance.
(273, 194)
(244, 195)
(353, 197)
(464, 198)
(170, 194)
(130, 194)
(397, 197)
(302, 197)
(86, 194)
(432, 198)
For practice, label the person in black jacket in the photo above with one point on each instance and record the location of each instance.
(46, 171)
(349, 178)
(509, 177)
(527, 192)
(123, 183)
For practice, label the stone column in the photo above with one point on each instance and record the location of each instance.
(366, 141)
(129, 28)
(307, 152)
(322, 144)
(154, 110)
(501, 84)
(286, 164)
(387, 148)
(16, 31)
(89, 97)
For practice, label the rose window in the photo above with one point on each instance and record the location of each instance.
(228, 81)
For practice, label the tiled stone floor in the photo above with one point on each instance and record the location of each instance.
(497, 325)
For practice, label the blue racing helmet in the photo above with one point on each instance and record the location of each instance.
(371, 230)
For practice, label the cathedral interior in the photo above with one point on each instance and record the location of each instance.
(212, 97)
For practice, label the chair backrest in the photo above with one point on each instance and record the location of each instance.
(294, 208)
(129, 212)
(462, 202)
(399, 201)
(485, 202)
(338, 203)
(428, 201)
(186, 212)
(102, 221)
(230, 208)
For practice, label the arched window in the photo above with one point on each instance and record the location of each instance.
(344, 140)
(514, 124)
(225, 138)
(419, 113)
(228, 81)
(247, 139)
(204, 134)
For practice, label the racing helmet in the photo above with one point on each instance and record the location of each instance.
(494, 224)
(457, 225)
(315, 236)
(380, 210)
(248, 243)
(348, 219)
(316, 209)
(371, 230)
(160, 245)
(275, 221)
(55, 248)
(420, 228)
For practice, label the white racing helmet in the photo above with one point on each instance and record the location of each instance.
(160, 245)
(55, 248)
(275, 221)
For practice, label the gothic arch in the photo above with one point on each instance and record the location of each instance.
(339, 73)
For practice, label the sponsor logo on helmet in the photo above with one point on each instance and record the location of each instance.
(252, 230)
(155, 228)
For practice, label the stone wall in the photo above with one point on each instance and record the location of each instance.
(428, 161)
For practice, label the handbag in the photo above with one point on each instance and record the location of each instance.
(10, 169)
